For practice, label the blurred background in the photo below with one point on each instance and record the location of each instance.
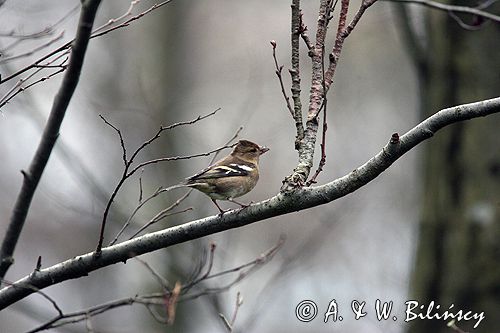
(426, 229)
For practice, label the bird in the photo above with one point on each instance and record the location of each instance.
(232, 176)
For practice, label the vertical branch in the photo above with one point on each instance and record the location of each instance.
(295, 72)
(50, 134)
(320, 84)
(339, 42)
(316, 92)
(306, 148)
(322, 161)
(342, 33)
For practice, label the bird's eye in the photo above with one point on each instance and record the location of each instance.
(253, 150)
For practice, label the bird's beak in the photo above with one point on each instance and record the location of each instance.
(263, 150)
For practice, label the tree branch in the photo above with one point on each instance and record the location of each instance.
(320, 84)
(295, 71)
(453, 9)
(283, 203)
(49, 136)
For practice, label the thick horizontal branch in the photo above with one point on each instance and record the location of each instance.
(280, 204)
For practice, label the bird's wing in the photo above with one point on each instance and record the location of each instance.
(220, 171)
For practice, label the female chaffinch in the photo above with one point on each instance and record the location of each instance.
(232, 176)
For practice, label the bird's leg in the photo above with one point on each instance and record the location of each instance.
(220, 209)
(242, 205)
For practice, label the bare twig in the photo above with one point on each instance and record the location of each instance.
(158, 134)
(115, 20)
(230, 324)
(243, 271)
(83, 315)
(136, 209)
(101, 32)
(163, 214)
(127, 162)
(197, 279)
(279, 69)
(44, 33)
(454, 9)
(168, 298)
(140, 186)
(228, 143)
(141, 204)
(239, 302)
(471, 27)
(303, 32)
(19, 88)
(32, 51)
(160, 279)
(176, 158)
(69, 44)
(38, 291)
(51, 132)
(172, 301)
(343, 32)
(161, 190)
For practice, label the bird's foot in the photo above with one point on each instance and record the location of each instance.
(242, 205)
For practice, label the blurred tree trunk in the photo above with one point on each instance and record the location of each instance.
(458, 250)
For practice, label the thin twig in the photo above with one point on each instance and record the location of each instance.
(172, 301)
(127, 173)
(136, 209)
(140, 186)
(112, 21)
(160, 216)
(160, 279)
(343, 32)
(38, 291)
(130, 20)
(239, 302)
(453, 8)
(228, 143)
(279, 69)
(175, 158)
(120, 136)
(32, 51)
(303, 33)
(230, 324)
(169, 297)
(466, 26)
(161, 190)
(69, 44)
(252, 267)
(19, 88)
(47, 31)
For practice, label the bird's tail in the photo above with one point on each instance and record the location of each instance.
(181, 185)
